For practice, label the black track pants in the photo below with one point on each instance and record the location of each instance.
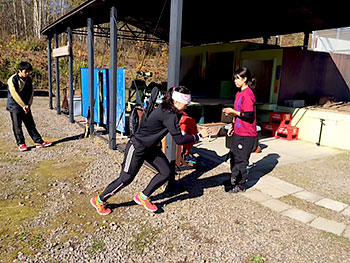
(135, 155)
(241, 149)
(17, 119)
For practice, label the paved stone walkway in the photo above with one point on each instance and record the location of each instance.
(266, 189)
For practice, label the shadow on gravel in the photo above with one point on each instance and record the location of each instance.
(211, 155)
(192, 186)
(67, 139)
(131, 203)
(187, 187)
(115, 206)
(262, 168)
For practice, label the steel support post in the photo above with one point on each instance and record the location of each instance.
(113, 78)
(90, 28)
(70, 68)
(174, 63)
(49, 70)
(306, 40)
(58, 99)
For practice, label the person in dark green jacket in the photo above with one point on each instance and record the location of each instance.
(19, 101)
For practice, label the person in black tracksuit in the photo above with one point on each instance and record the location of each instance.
(19, 101)
(145, 145)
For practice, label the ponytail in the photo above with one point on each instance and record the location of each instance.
(251, 83)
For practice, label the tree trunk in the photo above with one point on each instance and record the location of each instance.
(40, 12)
(36, 17)
(15, 16)
(24, 20)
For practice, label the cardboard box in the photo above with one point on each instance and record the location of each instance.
(217, 128)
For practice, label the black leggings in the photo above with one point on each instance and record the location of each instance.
(241, 149)
(135, 155)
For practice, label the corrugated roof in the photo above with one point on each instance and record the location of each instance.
(212, 21)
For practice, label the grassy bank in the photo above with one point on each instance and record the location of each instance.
(132, 55)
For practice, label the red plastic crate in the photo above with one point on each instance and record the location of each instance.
(281, 118)
(269, 129)
(287, 133)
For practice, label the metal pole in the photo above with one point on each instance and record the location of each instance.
(70, 68)
(265, 39)
(58, 100)
(174, 63)
(306, 40)
(319, 138)
(113, 78)
(49, 70)
(90, 27)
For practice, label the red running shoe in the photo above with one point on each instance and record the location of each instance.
(44, 144)
(99, 207)
(146, 203)
(22, 147)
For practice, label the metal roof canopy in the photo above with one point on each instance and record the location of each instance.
(189, 22)
(211, 22)
(86, 13)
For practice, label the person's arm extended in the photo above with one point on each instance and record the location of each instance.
(175, 131)
(14, 92)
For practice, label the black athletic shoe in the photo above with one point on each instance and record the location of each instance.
(236, 190)
(228, 186)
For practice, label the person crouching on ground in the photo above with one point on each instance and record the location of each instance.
(145, 145)
(19, 101)
(243, 130)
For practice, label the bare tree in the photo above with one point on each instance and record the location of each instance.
(24, 20)
(40, 16)
(15, 16)
(36, 21)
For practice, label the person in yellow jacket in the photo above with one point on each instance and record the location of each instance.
(19, 101)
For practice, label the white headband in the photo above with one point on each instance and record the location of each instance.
(181, 97)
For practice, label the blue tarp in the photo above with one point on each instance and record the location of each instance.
(101, 105)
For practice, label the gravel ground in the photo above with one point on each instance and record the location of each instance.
(46, 216)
